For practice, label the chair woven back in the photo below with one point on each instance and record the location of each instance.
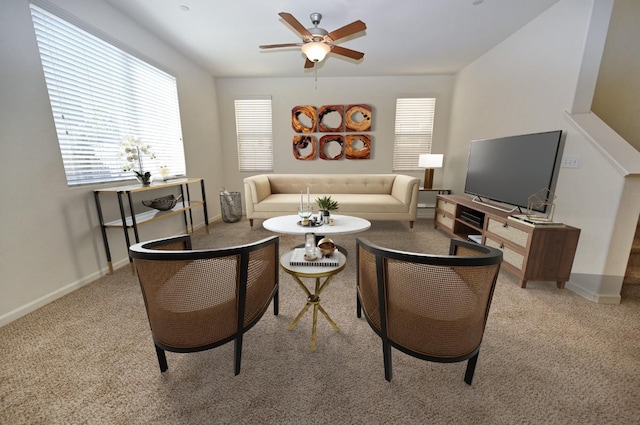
(201, 298)
(427, 305)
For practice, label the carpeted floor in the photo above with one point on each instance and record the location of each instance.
(548, 357)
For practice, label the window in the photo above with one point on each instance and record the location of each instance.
(101, 94)
(254, 136)
(414, 130)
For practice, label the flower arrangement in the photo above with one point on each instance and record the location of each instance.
(133, 151)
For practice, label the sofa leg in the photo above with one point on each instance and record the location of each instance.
(411, 225)
(250, 222)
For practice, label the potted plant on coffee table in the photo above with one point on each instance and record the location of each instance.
(326, 205)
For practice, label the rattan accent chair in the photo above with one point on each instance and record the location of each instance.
(428, 306)
(200, 299)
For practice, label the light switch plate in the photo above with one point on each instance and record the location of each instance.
(571, 161)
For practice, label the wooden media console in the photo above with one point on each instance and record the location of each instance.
(539, 253)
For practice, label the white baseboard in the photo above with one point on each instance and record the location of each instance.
(596, 288)
(42, 301)
(67, 289)
(592, 296)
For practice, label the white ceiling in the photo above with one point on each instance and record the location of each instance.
(403, 37)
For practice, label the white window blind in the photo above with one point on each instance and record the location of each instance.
(100, 94)
(254, 134)
(413, 132)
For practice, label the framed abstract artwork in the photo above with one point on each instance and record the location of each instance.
(339, 120)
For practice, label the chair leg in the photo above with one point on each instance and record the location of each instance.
(162, 359)
(276, 305)
(471, 368)
(358, 307)
(386, 353)
(237, 354)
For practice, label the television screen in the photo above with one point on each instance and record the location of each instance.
(511, 169)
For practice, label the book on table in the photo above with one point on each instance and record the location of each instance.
(297, 259)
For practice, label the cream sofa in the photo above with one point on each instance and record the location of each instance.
(387, 197)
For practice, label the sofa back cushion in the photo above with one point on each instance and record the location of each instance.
(327, 184)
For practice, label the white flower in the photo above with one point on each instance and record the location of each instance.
(132, 153)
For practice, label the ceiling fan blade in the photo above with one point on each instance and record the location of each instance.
(347, 30)
(289, 18)
(353, 54)
(273, 46)
(308, 64)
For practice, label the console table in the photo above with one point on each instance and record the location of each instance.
(437, 191)
(541, 252)
(131, 220)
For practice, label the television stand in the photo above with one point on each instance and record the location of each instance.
(530, 252)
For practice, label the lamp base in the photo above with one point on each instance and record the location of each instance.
(428, 178)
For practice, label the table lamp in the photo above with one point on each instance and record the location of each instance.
(429, 161)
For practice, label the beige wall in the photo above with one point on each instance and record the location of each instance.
(50, 241)
(49, 238)
(286, 93)
(528, 83)
(618, 86)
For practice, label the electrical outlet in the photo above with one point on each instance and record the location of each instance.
(571, 161)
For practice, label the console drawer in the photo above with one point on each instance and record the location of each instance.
(513, 235)
(444, 220)
(508, 255)
(446, 206)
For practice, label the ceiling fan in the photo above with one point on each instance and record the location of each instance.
(317, 42)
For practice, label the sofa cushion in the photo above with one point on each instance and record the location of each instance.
(348, 203)
(330, 184)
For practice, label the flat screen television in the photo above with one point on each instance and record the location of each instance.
(511, 169)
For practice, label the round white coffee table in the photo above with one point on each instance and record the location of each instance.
(342, 224)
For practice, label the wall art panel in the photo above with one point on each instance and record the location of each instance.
(303, 119)
(358, 146)
(331, 118)
(358, 117)
(304, 147)
(331, 147)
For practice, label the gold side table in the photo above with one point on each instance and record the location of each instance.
(313, 298)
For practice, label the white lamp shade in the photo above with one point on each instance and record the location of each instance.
(315, 51)
(431, 160)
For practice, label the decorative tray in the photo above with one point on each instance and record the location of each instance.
(164, 203)
(311, 224)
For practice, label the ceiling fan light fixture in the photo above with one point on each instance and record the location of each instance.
(315, 51)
